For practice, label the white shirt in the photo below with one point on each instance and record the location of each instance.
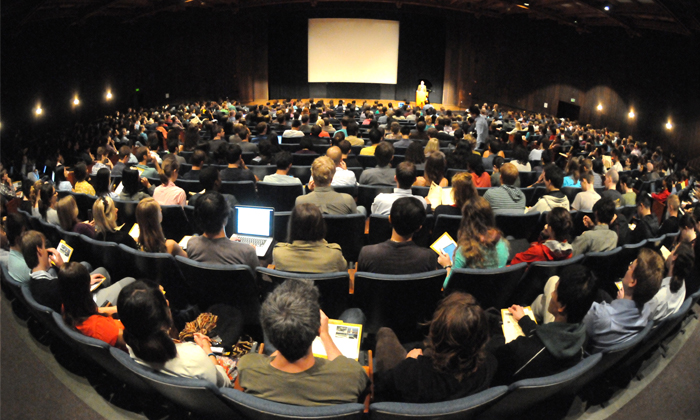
(665, 302)
(585, 200)
(292, 133)
(341, 178)
(383, 202)
(282, 179)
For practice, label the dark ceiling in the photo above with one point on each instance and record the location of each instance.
(634, 16)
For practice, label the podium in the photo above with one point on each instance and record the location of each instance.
(421, 97)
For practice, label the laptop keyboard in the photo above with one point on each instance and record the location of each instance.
(253, 241)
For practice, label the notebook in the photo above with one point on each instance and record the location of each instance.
(255, 226)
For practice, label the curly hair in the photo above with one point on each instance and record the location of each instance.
(477, 231)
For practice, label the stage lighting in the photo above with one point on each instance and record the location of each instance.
(76, 101)
(38, 111)
(600, 107)
(631, 114)
(669, 126)
(607, 8)
(109, 95)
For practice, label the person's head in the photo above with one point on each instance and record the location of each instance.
(291, 318)
(211, 212)
(432, 146)
(509, 174)
(474, 111)
(463, 188)
(74, 287)
(680, 263)
(559, 224)
(384, 153)
(458, 333)
(261, 128)
(574, 294)
(498, 163)
(414, 153)
(435, 167)
(643, 277)
(395, 127)
(209, 178)
(105, 214)
(673, 203)
(124, 154)
(149, 216)
(375, 136)
(553, 176)
(67, 210)
(406, 175)
(131, 181)
(323, 170)
(644, 201)
(521, 155)
(146, 317)
(407, 216)
(233, 154)
(352, 128)
(344, 145)
(80, 171)
(284, 160)
(604, 210)
(170, 168)
(143, 155)
(477, 230)
(587, 181)
(198, 158)
(33, 246)
(48, 196)
(15, 225)
(611, 179)
(306, 223)
(102, 182)
(335, 154)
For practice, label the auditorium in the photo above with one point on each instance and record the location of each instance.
(378, 209)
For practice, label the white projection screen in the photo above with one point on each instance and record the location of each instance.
(356, 60)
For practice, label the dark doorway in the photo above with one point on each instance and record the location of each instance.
(568, 110)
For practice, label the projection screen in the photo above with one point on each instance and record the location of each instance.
(340, 51)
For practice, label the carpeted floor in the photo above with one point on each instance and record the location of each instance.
(33, 385)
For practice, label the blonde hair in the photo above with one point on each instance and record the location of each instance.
(67, 210)
(105, 214)
(432, 146)
(151, 237)
(323, 170)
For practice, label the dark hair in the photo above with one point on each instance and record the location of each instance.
(435, 167)
(375, 136)
(290, 317)
(554, 174)
(682, 266)
(80, 172)
(384, 153)
(131, 180)
(146, 317)
(211, 211)
(344, 145)
(576, 292)
(306, 143)
(169, 166)
(407, 216)
(498, 161)
(74, 286)
(141, 152)
(102, 182)
(284, 159)
(648, 273)
(32, 240)
(559, 220)
(46, 194)
(233, 153)
(15, 224)
(352, 128)
(208, 177)
(306, 223)
(476, 164)
(458, 334)
(406, 175)
(198, 158)
(643, 198)
(520, 154)
(414, 153)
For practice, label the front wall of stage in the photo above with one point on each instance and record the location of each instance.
(421, 56)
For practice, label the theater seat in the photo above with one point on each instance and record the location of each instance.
(532, 283)
(244, 191)
(348, 231)
(280, 196)
(491, 288)
(367, 193)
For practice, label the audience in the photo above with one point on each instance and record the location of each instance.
(15, 225)
(167, 193)
(506, 198)
(600, 237)
(553, 178)
(463, 190)
(383, 174)
(284, 164)
(405, 177)
(647, 224)
(553, 245)
(671, 295)
(585, 200)
(104, 212)
(323, 195)
(151, 237)
(67, 210)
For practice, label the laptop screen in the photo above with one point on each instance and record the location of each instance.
(256, 221)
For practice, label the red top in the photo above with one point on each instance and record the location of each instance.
(483, 181)
(538, 251)
(103, 328)
(661, 197)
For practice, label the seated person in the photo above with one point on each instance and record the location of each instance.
(81, 184)
(151, 238)
(482, 179)
(291, 319)
(506, 197)
(585, 200)
(600, 237)
(647, 224)
(671, 224)
(80, 311)
(405, 177)
(15, 225)
(610, 184)
(666, 189)
(210, 180)
(236, 171)
(553, 245)
(375, 136)
(211, 212)
(383, 174)
(434, 172)
(284, 164)
(308, 251)
(669, 299)
(167, 193)
(306, 145)
(104, 212)
(481, 243)
(197, 160)
(46, 208)
(399, 254)
(68, 212)
(143, 155)
(453, 364)
(146, 316)
(323, 195)
(343, 176)
(43, 284)
(549, 348)
(463, 190)
(608, 324)
(132, 184)
(553, 178)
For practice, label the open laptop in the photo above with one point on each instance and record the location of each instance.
(255, 226)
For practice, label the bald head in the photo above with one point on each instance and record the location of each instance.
(335, 154)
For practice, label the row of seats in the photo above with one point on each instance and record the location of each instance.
(204, 399)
